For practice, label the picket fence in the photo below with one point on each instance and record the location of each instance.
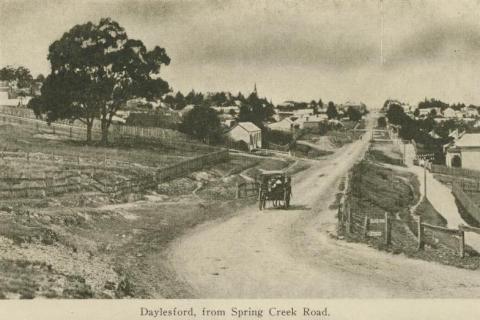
(467, 203)
(190, 165)
(435, 168)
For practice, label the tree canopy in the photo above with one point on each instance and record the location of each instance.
(202, 123)
(255, 110)
(20, 75)
(96, 69)
(332, 112)
(354, 114)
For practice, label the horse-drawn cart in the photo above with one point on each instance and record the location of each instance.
(276, 187)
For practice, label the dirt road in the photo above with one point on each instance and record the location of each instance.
(294, 254)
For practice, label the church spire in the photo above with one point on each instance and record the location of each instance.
(255, 89)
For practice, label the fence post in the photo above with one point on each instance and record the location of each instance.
(388, 230)
(421, 243)
(462, 243)
(78, 159)
(237, 194)
(366, 224)
(28, 156)
(53, 156)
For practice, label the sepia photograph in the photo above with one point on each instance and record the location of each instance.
(239, 149)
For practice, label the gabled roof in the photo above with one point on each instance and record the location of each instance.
(469, 140)
(287, 119)
(248, 126)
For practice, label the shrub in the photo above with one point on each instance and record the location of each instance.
(125, 288)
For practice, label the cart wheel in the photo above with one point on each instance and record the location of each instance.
(287, 200)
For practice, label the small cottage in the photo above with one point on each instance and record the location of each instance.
(285, 125)
(465, 152)
(247, 132)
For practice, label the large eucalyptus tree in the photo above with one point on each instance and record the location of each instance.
(95, 70)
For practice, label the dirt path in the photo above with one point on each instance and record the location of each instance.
(441, 198)
(291, 253)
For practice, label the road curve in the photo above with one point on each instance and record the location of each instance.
(291, 254)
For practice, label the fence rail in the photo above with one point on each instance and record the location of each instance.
(167, 137)
(470, 206)
(435, 168)
(187, 166)
(170, 138)
(247, 189)
(34, 186)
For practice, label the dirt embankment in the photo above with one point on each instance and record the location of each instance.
(377, 189)
(92, 245)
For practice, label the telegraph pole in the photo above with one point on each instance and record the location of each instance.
(425, 177)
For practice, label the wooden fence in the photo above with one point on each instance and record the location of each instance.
(146, 181)
(435, 168)
(421, 237)
(38, 185)
(77, 161)
(278, 147)
(187, 166)
(35, 125)
(118, 131)
(470, 206)
(247, 189)
(168, 137)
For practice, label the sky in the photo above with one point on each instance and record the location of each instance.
(292, 50)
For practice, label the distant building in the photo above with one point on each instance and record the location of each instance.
(185, 110)
(302, 112)
(4, 90)
(471, 112)
(449, 113)
(285, 125)
(247, 132)
(360, 106)
(465, 152)
(311, 121)
(36, 88)
(227, 109)
(423, 112)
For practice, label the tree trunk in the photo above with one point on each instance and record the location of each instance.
(89, 131)
(105, 127)
(104, 132)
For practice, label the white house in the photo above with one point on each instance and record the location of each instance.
(311, 121)
(471, 112)
(227, 109)
(247, 132)
(185, 110)
(302, 112)
(465, 152)
(449, 113)
(4, 89)
(427, 111)
(459, 114)
(283, 125)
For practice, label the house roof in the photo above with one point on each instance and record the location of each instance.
(248, 126)
(287, 119)
(469, 140)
